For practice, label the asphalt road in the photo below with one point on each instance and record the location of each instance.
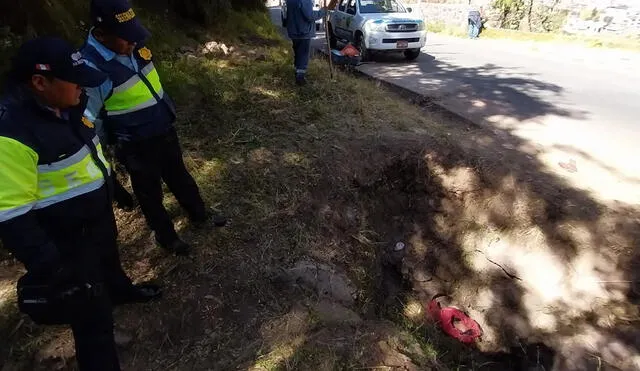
(568, 103)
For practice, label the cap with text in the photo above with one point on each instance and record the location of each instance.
(118, 17)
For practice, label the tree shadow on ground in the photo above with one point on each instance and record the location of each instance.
(341, 186)
(532, 258)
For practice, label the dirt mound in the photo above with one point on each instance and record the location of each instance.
(531, 259)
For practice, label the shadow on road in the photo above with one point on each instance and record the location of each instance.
(485, 92)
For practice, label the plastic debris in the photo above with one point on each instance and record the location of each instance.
(455, 323)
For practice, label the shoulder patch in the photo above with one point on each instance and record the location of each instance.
(145, 53)
(87, 122)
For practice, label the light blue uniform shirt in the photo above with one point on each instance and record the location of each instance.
(99, 94)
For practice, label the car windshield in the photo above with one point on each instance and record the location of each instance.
(380, 6)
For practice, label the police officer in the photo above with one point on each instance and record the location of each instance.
(133, 108)
(55, 202)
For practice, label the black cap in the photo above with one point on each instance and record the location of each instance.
(57, 58)
(118, 17)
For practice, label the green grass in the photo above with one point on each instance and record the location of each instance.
(446, 29)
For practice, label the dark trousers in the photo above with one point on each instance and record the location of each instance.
(93, 252)
(121, 196)
(93, 335)
(301, 54)
(151, 161)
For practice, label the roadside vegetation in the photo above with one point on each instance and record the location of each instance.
(599, 41)
(596, 41)
(324, 181)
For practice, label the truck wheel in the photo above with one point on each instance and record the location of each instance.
(333, 40)
(412, 54)
(365, 56)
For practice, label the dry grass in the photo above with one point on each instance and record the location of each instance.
(600, 41)
(254, 142)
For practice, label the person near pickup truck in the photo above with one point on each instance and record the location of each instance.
(301, 19)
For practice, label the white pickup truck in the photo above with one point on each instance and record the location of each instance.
(377, 25)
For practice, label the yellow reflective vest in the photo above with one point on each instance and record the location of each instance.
(136, 106)
(53, 175)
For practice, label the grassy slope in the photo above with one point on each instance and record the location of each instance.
(336, 171)
(255, 143)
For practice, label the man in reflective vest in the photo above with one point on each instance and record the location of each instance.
(56, 215)
(135, 110)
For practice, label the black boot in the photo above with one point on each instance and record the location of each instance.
(210, 219)
(176, 246)
(139, 293)
(301, 79)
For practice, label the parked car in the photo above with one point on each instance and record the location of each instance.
(377, 26)
(283, 14)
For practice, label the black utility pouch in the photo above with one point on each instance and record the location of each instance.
(47, 305)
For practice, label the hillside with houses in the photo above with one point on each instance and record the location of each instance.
(610, 17)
